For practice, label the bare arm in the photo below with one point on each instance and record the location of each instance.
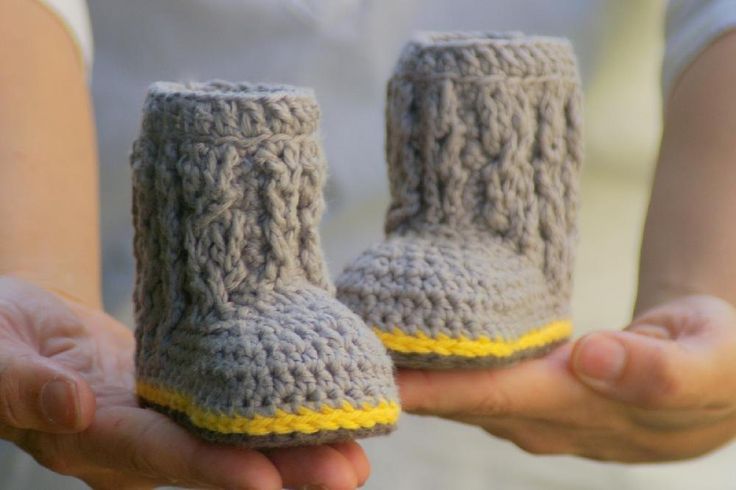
(49, 232)
(689, 241)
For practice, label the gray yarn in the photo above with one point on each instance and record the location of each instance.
(484, 147)
(233, 303)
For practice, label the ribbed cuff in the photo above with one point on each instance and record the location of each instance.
(216, 108)
(480, 55)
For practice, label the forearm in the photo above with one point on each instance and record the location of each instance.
(48, 178)
(689, 244)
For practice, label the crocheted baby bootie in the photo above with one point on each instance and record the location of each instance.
(239, 336)
(483, 144)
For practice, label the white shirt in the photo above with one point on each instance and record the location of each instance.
(75, 17)
(690, 26)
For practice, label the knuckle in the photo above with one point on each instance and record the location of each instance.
(654, 447)
(665, 385)
(543, 440)
(11, 434)
(58, 463)
(11, 396)
(536, 446)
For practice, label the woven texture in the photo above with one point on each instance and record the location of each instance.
(483, 143)
(239, 337)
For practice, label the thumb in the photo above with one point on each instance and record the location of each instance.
(645, 369)
(37, 393)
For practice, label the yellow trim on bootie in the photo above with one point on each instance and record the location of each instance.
(306, 420)
(444, 345)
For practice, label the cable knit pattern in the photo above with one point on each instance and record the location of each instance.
(484, 147)
(238, 334)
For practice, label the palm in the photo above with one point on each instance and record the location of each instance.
(127, 446)
(101, 351)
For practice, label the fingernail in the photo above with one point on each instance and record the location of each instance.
(600, 358)
(60, 402)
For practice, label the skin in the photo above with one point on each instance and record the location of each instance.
(663, 388)
(66, 370)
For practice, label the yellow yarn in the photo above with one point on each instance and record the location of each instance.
(444, 345)
(306, 420)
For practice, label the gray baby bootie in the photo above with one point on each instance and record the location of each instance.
(483, 143)
(239, 337)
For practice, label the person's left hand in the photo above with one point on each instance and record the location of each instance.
(93, 428)
(663, 389)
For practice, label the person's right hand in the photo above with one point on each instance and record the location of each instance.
(67, 397)
(663, 389)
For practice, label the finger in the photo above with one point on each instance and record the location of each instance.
(144, 443)
(355, 454)
(37, 393)
(673, 445)
(647, 370)
(442, 392)
(695, 320)
(529, 387)
(111, 480)
(115, 480)
(315, 466)
(538, 437)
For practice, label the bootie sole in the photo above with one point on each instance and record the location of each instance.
(445, 352)
(307, 427)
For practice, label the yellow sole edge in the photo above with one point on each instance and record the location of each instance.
(305, 421)
(444, 345)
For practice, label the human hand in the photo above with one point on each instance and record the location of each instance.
(663, 389)
(86, 421)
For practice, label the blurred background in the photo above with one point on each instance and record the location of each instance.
(346, 49)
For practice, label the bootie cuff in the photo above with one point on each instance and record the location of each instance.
(483, 136)
(218, 109)
(486, 56)
(239, 168)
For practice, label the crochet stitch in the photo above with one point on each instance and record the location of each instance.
(483, 144)
(239, 337)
